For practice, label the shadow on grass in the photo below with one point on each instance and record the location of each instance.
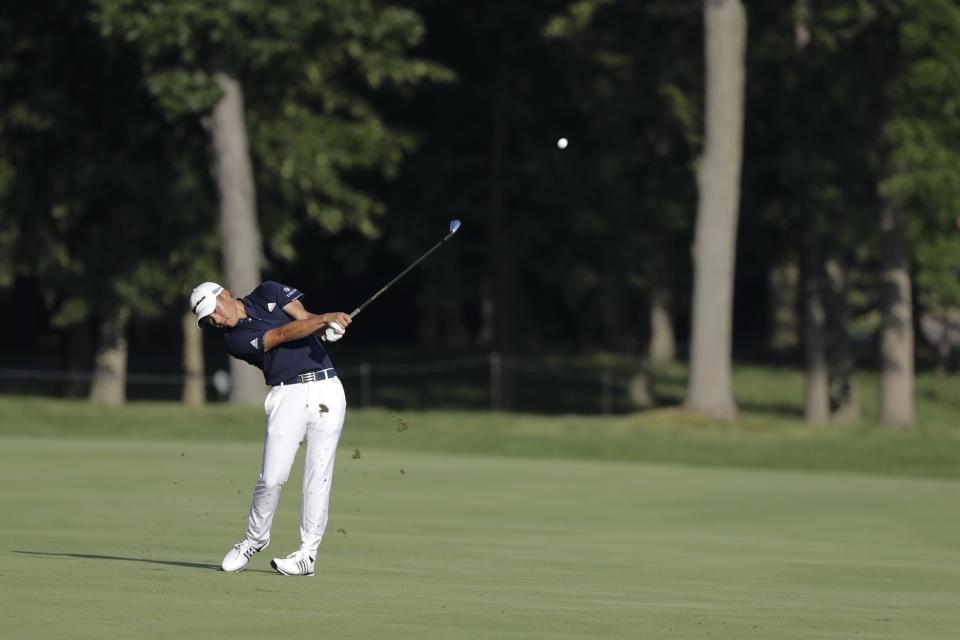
(172, 563)
(779, 408)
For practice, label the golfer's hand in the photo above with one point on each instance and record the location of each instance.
(335, 326)
(342, 319)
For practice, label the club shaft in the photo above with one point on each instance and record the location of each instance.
(353, 314)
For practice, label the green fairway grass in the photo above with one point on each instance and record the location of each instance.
(757, 439)
(472, 525)
(118, 538)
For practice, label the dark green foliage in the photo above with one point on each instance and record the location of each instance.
(101, 194)
(923, 134)
(308, 70)
(441, 110)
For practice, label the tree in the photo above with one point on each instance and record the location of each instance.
(601, 222)
(296, 76)
(242, 252)
(919, 186)
(807, 194)
(634, 80)
(718, 180)
(896, 329)
(90, 216)
(938, 283)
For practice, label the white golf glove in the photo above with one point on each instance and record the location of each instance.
(333, 332)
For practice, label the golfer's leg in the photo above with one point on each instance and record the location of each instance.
(323, 434)
(286, 425)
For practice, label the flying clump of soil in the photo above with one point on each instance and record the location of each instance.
(400, 422)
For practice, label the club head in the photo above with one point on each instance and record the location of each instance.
(454, 225)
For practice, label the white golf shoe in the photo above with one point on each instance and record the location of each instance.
(238, 557)
(298, 563)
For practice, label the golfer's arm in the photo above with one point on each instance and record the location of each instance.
(293, 331)
(297, 311)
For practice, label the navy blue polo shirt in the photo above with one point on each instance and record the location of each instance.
(264, 307)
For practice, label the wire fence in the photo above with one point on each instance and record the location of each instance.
(487, 381)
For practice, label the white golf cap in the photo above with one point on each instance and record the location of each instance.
(203, 300)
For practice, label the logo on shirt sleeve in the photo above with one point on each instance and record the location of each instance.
(255, 342)
(271, 305)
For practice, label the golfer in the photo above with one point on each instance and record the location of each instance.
(271, 329)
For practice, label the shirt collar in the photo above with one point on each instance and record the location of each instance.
(250, 309)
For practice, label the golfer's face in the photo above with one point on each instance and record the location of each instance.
(225, 316)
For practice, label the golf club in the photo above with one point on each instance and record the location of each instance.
(454, 225)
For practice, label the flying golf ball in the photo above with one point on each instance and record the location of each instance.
(562, 143)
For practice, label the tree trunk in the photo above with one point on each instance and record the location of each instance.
(663, 346)
(896, 326)
(194, 387)
(940, 328)
(238, 218)
(638, 389)
(816, 378)
(844, 393)
(110, 361)
(77, 359)
(718, 181)
(783, 281)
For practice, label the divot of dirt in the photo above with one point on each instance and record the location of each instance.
(400, 422)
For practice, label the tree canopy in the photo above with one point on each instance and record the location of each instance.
(371, 124)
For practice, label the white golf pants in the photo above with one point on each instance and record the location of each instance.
(311, 411)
